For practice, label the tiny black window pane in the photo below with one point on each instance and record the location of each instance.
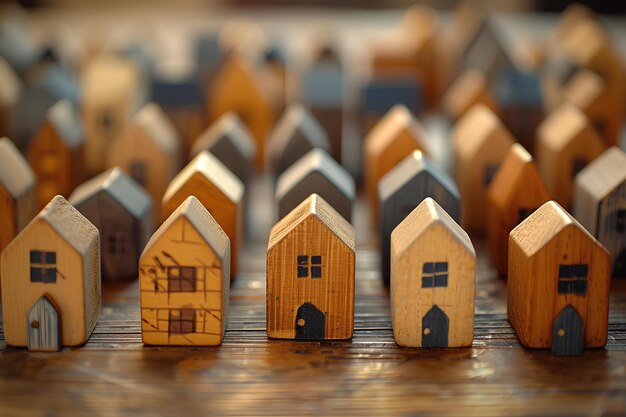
(573, 279)
(43, 267)
(620, 221)
(315, 266)
(303, 266)
(434, 274)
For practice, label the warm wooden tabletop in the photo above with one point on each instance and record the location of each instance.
(114, 374)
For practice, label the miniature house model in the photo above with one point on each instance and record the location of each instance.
(184, 280)
(433, 275)
(122, 212)
(51, 280)
(600, 203)
(558, 283)
(310, 274)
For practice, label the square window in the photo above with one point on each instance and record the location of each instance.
(427, 282)
(434, 274)
(181, 279)
(43, 267)
(182, 321)
(315, 266)
(573, 279)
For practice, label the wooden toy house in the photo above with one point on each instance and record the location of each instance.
(316, 173)
(184, 280)
(231, 142)
(249, 91)
(403, 188)
(148, 151)
(558, 285)
(566, 143)
(480, 142)
(111, 95)
(469, 88)
(122, 212)
(393, 138)
(310, 274)
(56, 152)
(296, 133)
(516, 191)
(18, 201)
(51, 280)
(600, 203)
(218, 189)
(433, 279)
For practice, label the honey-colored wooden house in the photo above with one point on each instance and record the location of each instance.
(469, 88)
(184, 280)
(558, 283)
(600, 203)
(433, 280)
(51, 280)
(480, 142)
(516, 191)
(566, 143)
(219, 191)
(56, 152)
(310, 274)
(148, 151)
(122, 212)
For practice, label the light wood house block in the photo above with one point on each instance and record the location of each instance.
(433, 280)
(558, 286)
(600, 203)
(310, 274)
(516, 191)
(468, 89)
(184, 280)
(480, 142)
(218, 189)
(122, 212)
(51, 280)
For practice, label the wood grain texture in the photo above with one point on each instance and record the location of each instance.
(218, 189)
(540, 247)
(394, 137)
(73, 285)
(422, 244)
(184, 280)
(566, 143)
(515, 192)
(122, 212)
(469, 88)
(310, 274)
(480, 142)
(56, 153)
(599, 200)
(316, 173)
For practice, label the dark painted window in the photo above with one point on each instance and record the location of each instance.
(488, 173)
(181, 278)
(434, 274)
(43, 266)
(309, 266)
(573, 279)
(117, 243)
(182, 321)
(620, 221)
(138, 172)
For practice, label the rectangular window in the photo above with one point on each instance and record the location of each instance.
(434, 274)
(117, 243)
(573, 279)
(43, 267)
(620, 221)
(488, 173)
(182, 321)
(181, 278)
(311, 269)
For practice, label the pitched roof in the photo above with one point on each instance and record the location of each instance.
(542, 226)
(314, 206)
(565, 124)
(584, 88)
(158, 127)
(425, 215)
(479, 125)
(316, 160)
(394, 123)
(193, 210)
(15, 173)
(604, 174)
(65, 120)
(118, 185)
(214, 171)
(228, 127)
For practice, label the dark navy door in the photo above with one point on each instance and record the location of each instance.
(435, 326)
(568, 333)
(310, 323)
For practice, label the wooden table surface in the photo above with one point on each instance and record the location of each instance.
(114, 374)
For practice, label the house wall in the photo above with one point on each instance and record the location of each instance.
(536, 302)
(182, 245)
(606, 228)
(410, 302)
(9, 218)
(333, 294)
(19, 294)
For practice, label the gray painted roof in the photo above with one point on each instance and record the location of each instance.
(65, 120)
(15, 173)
